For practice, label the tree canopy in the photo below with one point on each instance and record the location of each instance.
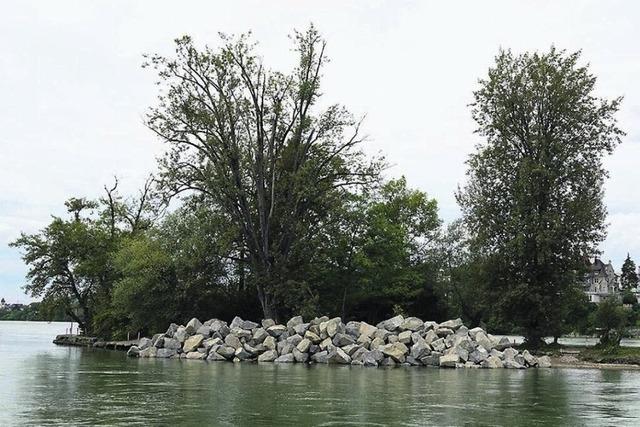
(533, 196)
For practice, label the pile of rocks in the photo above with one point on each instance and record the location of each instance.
(396, 341)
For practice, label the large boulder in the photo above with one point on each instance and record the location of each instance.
(171, 330)
(303, 346)
(333, 326)
(438, 345)
(259, 335)
(544, 362)
(367, 329)
(430, 336)
(196, 355)
(220, 327)
(226, 351)
(276, 330)
(397, 351)
(449, 360)
(172, 343)
(165, 353)
(353, 329)
(232, 341)
(285, 358)
(268, 356)
(181, 334)
(320, 357)
(412, 324)
(214, 356)
(420, 349)
(269, 343)
(451, 324)
(393, 324)
(337, 355)
(300, 356)
(478, 355)
(491, 362)
(340, 340)
(144, 343)
(293, 322)
(405, 337)
(193, 325)
(311, 336)
(204, 330)
(192, 343)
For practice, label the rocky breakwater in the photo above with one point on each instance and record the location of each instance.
(397, 341)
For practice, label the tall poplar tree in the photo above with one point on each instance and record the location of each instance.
(533, 196)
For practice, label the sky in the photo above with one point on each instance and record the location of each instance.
(73, 94)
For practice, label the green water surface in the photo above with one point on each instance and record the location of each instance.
(43, 384)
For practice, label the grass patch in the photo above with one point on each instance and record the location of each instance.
(619, 355)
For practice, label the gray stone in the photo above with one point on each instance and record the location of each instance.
(301, 329)
(285, 358)
(430, 336)
(492, 362)
(233, 341)
(268, 356)
(352, 329)
(220, 327)
(449, 360)
(397, 351)
(284, 347)
(237, 322)
(358, 354)
(510, 353)
(429, 326)
(144, 343)
(192, 343)
(133, 351)
(276, 330)
(196, 355)
(181, 334)
(405, 337)
(333, 326)
(420, 349)
(172, 330)
(337, 355)
(242, 354)
(294, 340)
(215, 357)
(259, 335)
(529, 359)
(451, 324)
(443, 332)
(165, 353)
(267, 323)
(412, 324)
(388, 361)
(241, 333)
(364, 341)
(294, 321)
(438, 345)
(204, 330)
(253, 351)
(319, 320)
(300, 356)
(478, 355)
(249, 325)
(393, 338)
(210, 342)
(512, 364)
(226, 351)
(340, 340)
(367, 329)
(393, 323)
(320, 357)
(269, 343)
(475, 331)
(432, 360)
(311, 336)
(372, 358)
(303, 345)
(171, 343)
(503, 344)
(376, 343)
(544, 362)
(193, 325)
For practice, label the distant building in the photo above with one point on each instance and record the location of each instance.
(601, 281)
(3, 303)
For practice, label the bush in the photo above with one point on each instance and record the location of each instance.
(610, 319)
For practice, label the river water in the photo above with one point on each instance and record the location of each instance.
(43, 384)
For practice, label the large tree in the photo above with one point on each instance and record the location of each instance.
(629, 276)
(255, 144)
(533, 196)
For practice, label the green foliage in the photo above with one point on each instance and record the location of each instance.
(629, 276)
(533, 199)
(254, 144)
(610, 319)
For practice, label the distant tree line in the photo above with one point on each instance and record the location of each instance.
(280, 211)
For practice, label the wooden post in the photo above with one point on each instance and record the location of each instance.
(127, 336)
(138, 335)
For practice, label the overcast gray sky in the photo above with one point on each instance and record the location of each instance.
(73, 95)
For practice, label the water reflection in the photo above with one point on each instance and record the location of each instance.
(49, 385)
